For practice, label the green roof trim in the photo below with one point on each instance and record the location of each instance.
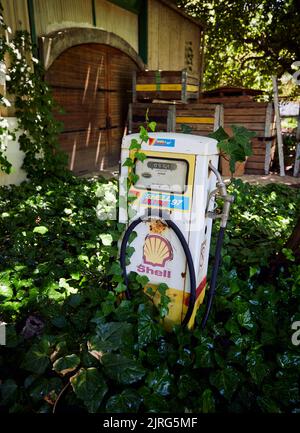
(134, 6)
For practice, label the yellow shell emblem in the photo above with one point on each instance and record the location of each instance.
(157, 250)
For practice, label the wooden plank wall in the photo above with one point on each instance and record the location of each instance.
(52, 15)
(168, 34)
(16, 14)
(114, 19)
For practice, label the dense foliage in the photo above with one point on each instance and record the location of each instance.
(75, 344)
(34, 105)
(248, 41)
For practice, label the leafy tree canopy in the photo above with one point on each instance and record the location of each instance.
(248, 41)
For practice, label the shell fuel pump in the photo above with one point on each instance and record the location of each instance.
(172, 216)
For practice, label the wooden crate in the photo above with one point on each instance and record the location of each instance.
(165, 85)
(259, 118)
(198, 119)
(162, 114)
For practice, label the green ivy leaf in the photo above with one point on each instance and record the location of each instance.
(110, 336)
(90, 386)
(245, 320)
(122, 369)
(66, 364)
(256, 366)
(128, 163)
(161, 381)
(148, 330)
(40, 229)
(219, 134)
(152, 126)
(5, 291)
(127, 402)
(140, 156)
(106, 239)
(37, 359)
(226, 381)
(207, 402)
(204, 358)
(134, 144)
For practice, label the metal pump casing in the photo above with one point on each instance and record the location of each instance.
(185, 159)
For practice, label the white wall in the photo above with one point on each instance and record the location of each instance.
(15, 157)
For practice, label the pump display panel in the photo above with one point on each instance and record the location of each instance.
(162, 174)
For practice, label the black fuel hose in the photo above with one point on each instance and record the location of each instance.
(180, 236)
(214, 275)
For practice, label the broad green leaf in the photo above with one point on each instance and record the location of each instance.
(219, 134)
(148, 329)
(127, 402)
(152, 126)
(90, 386)
(134, 144)
(226, 381)
(256, 366)
(140, 156)
(106, 239)
(43, 387)
(5, 291)
(109, 337)
(207, 402)
(37, 359)
(66, 364)
(161, 381)
(245, 319)
(204, 357)
(122, 369)
(40, 229)
(268, 405)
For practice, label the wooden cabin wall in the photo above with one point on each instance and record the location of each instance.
(114, 19)
(55, 14)
(170, 37)
(52, 15)
(16, 14)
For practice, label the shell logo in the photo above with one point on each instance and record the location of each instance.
(157, 251)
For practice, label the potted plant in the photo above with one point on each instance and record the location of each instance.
(234, 149)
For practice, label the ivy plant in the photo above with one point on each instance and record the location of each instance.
(34, 107)
(235, 147)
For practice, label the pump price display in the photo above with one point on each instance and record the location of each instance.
(166, 201)
(162, 174)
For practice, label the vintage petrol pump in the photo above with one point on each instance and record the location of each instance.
(172, 216)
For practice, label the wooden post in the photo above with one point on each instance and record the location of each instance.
(297, 158)
(278, 127)
(268, 133)
(130, 119)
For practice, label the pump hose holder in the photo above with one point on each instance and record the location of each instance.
(182, 240)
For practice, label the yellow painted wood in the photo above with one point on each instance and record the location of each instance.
(164, 87)
(182, 119)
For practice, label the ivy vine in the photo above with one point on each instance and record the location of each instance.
(34, 105)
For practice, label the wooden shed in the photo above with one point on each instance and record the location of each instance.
(90, 49)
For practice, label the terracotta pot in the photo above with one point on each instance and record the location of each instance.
(239, 168)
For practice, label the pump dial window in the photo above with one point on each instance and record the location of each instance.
(162, 174)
